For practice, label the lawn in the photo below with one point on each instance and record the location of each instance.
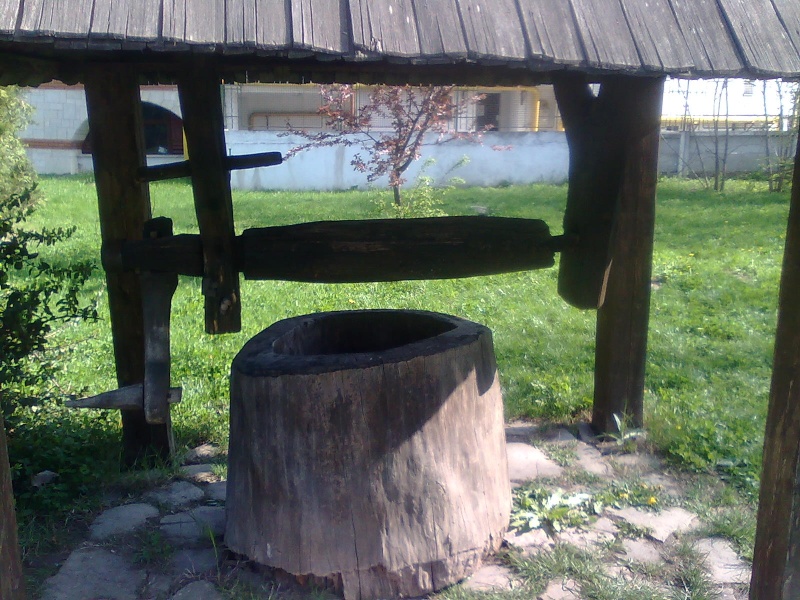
(716, 271)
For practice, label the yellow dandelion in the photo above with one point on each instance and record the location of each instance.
(652, 500)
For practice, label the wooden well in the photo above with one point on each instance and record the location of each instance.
(368, 448)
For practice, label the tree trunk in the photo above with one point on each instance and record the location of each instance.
(367, 448)
(12, 582)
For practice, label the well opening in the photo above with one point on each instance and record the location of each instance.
(359, 332)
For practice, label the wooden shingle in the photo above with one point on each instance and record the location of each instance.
(439, 29)
(789, 14)
(657, 35)
(386, 27)
(607, 39)
(493, 29)
(552, 31)
(319, 25)
(273, 20)
(706, 35)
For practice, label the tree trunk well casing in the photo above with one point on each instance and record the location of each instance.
(367, 447)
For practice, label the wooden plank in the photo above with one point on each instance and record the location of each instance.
(789, 14)
(272, 21)
(31, 15)
(130, 397)
(761, 37)
(114, 108)
(386, 27)
(101, 18)
(395, 249)
(205, 22)
(776, 558)
(143, 22)
(174, 20)
(12, 581)
(707, 37)
(320, 25)
(657, 35)
(606, 37)
(439, 29)
(552, 32)
(62, 17)
(493, 29)
(232, 163)
(9, 13)
(622, 321)
(203, 122)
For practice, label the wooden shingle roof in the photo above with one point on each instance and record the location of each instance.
(754, 38)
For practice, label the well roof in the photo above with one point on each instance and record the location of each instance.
(700, 38)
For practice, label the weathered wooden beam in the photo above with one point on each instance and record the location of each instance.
(115, 119)
(201, 104)
(233, 163)
(362, 251)
(12, 581)
(158, 288)
(130, 397)
(395, 249)
(622, 320)
(776, 559)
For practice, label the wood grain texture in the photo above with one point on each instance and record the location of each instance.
(12, 581)
(368, 446)
(32, 16)
(607, 39)
(173, 26)
(439, 29)
(776, 558)
(657, 35)
(320, 25)
(789, 14)
(760, 35)
(273, 19)
(130, 397)
(622, 321)
(205, 22)
(493, 29)
(204, 126)
(386, 27)
(707, 37)
(115, 118)
(9, 12)
(552, 31)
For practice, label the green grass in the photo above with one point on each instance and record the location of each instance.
(717, 263)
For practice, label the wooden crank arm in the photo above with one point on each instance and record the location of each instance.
(130, 397)
(362, 251)
(183, 168)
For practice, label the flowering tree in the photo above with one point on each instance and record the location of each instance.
(389, 129)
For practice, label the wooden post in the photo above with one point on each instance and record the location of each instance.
(203, 122)
(613, 140)
(623, 319)
(115, 122)
(776, 559)
(12, 582)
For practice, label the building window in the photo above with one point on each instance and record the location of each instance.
(487, 113)
(749, 86)
(163, 132)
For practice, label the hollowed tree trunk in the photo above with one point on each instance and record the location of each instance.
(368, 448)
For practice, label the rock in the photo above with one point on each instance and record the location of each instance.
(586, 539)
(661, 525)
(157, 586)
(43, 478)
(586, 433)
(491, 578)
(94, 573)
(522, 432)
(199, 473)
(198, 590)
(216, 491)
(526, 463)
(642, 551)
(121, 520)
(531, 542)
(591, 461)
(668, 484)
(202, 454)
(559, 435)
(195, 525)
(176, 495)
(560, 589)
(724, 565)
(194, 561)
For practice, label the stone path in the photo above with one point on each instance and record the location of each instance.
(167, 544)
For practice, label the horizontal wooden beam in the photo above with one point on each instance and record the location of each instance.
(362, 251)
(183, 168)
(130, 397)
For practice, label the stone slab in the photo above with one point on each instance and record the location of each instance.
(203, 473)
(217, 491)
(591, 460)
(662, 525)
(194, 561)
(121, 520)
(491, 578)
(642, 551)
(724, 564)
(560, 589)
(176, 495)
(526, 463)
(202, 454)
(91, 573)
(198, 590)
(194, 525)
(531, 542)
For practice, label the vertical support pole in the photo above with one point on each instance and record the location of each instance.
(12, 582)
(115, 122)
(623, 319)
(203, 122)
(776, 559)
